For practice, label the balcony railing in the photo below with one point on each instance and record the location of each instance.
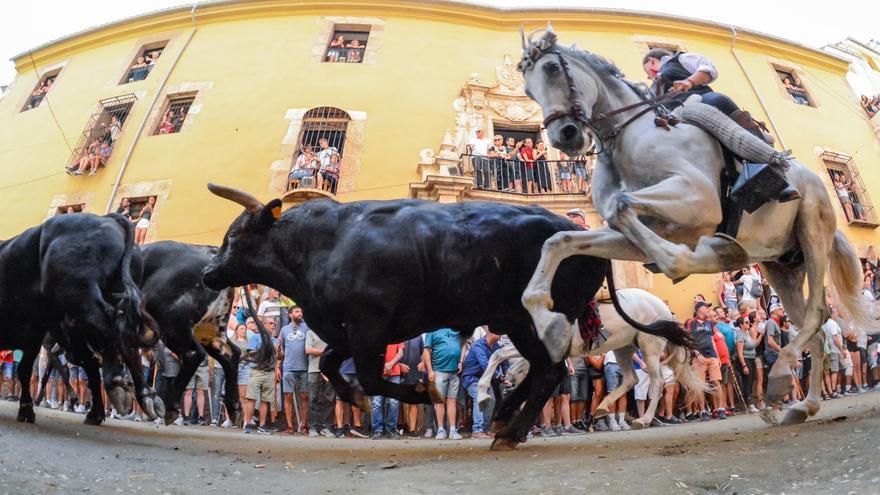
(537, 177)
(347, 55)
(139, 73)
(312, 178)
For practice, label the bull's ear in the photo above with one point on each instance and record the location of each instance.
(269, 213)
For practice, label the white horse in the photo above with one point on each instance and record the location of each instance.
(643, 307)
(658, 190)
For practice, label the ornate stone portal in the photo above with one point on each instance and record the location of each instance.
(446, 177)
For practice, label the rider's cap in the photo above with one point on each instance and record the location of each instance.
(577, 212)
(775, 306)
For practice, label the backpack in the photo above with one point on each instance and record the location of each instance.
(757, 289)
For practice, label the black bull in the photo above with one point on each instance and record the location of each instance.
(370, 273)
(71, 277)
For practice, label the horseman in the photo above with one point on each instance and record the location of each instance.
(691, 73)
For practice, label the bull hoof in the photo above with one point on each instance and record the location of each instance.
(769, 416)
(94, 418)
(26, 414)
(500, 426)
(435, 395)
(503, 445)
(171, 415)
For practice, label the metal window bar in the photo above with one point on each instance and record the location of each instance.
(104, 126)
(539, 177)
(862, 208)
(313, 164)
(344, 52)
(141, 73)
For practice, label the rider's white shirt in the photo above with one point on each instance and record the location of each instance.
(694, 62)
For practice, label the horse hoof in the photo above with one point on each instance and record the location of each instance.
(795, 416)
(638, 425)
(503, 445)
(600, 413)
(769, 416)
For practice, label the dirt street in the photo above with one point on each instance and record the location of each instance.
(837, 452)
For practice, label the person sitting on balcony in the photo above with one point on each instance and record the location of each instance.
(166, 127)
(796, 90)
(542, 170)
(138, 70)
(869, 106)
(331, 173)
(479, 150)
(103, 157)
(527, 158)
(306, 164)
(324, 155)
(90, 154)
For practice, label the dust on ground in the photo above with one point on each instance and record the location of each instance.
(835, 452)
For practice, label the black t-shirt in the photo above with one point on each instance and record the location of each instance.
(702, 332)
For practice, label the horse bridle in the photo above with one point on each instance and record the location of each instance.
(664, 118)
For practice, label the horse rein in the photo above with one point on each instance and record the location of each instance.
(664, 119)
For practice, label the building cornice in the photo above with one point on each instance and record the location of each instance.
(501, 19)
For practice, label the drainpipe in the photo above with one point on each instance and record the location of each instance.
(143, 124)
(754, 89)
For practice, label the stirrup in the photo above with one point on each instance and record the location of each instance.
(757, 184)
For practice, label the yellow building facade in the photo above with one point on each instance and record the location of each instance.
(251, 75)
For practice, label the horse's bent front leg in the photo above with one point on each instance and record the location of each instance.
(554, 329)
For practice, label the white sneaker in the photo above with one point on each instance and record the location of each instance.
(612, 423)
(326, 433)
(441, 434)
(454, 435)
(753, 409)
(623, 425)
(65, 406)
(227, 424)
(178, 421)
(429, 433)
(53, 404)
(159, 422)
(80, 409)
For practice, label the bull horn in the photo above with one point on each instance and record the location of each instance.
(522, 33)
(250, 203)
(549, 27)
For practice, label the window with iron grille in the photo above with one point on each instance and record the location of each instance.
(41, 90)
(348, 44)
(794, 86)
(102, 131)
(850, 189)
(174, 113)
(66, 209)
(317, 161)
(143, 62)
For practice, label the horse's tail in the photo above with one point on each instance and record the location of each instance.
(670, 330)
(846, 277)
(131, 308)
(680, 363)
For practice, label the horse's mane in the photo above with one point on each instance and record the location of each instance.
(603, 66)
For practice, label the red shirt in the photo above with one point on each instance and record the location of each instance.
(529, 154)
(391, 350)
(720, 346)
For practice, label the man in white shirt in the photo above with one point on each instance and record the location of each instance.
(271, 307)
(691, 73)
(479, 150)
(748, 280)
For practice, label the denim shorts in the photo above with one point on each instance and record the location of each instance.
(580, 385)
(77, 373)
(6, 368)
(295, 381)
(613, 377)
(580, 172)
(447, 384)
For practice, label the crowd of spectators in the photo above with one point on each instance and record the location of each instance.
(142, 67)
(321, 167)
(796, 89)
(523, 166)
(849, 199)
(97, 152)
(737, 342)
(871, 105)
(342, 50)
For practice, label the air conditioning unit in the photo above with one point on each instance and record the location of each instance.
(307, 182)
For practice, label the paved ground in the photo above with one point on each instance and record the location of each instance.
(837, 452)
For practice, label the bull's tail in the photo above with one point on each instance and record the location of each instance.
(131, 309)
(670, 330)
(846, 277)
